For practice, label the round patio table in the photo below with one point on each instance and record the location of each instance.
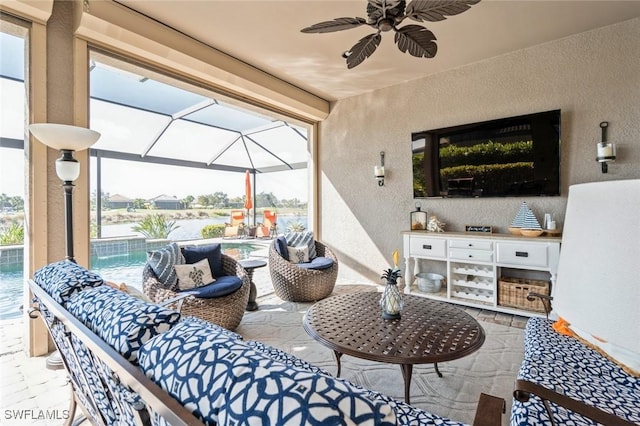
(250, 265)
(428, 331)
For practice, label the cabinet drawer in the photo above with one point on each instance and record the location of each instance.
(428, 247)
(471, 255)
(523, 254)
(471, 244)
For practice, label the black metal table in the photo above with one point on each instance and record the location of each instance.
(250, 265)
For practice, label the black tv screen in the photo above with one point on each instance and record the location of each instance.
(509, 157)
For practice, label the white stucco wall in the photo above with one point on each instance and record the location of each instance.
(591, 77)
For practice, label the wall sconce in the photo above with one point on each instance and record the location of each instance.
(378, 171)
(66, 139)
(605, 151)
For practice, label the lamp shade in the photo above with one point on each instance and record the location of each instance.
(62, 136)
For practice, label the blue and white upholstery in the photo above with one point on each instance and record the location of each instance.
(64, 279)
(405, 413)
(566, 365)
(224, 381)
(124, 322)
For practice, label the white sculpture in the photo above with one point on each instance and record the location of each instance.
(435, 225)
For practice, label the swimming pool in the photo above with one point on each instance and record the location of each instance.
(126, 268)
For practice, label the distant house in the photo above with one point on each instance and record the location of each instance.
(118, 201)
(166, 202)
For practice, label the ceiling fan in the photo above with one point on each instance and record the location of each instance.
(385, 15)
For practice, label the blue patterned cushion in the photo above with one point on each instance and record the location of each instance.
(564, 364)
(63, 279)
(162, 261)
(305, 238)
(231, 383)
(212, 252)
(123, 321)
(405, 413)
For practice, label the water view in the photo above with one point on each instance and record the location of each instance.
(125, 268)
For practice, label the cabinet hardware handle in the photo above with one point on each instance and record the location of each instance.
(426, 246)
(470, 245)
(522, 254)
(470, 255)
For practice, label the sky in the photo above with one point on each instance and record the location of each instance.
(138, 180)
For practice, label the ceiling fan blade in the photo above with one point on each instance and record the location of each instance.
(377, 9)
(338, 24)
(416, 40)
(437, 10)
(362, 49)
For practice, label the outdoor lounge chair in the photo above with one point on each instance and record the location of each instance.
(269, 227)
(235, 224)
(226, 311)
(296, 284)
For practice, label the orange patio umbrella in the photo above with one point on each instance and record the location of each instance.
(248, 203)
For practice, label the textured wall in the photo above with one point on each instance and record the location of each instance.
(591, 77)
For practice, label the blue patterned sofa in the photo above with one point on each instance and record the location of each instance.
(562, 378)
(133, 362)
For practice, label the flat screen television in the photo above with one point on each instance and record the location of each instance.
(508, 157)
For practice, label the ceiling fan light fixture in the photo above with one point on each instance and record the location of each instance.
(386, 15)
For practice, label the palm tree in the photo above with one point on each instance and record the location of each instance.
(155, 226)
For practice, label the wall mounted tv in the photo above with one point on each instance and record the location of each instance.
(509, 157)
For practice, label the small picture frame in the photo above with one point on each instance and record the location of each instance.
(479, 228)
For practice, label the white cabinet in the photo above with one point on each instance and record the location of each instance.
(473, 264)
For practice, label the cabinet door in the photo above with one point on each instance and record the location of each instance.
(523, 254)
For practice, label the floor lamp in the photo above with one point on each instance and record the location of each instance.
(66, 139)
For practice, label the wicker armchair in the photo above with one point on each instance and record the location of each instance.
(296, 284)
(226, 311)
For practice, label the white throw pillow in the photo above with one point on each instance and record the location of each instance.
(298, 254)
(194, 275)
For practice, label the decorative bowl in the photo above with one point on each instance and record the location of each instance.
(515, 231)
(531, 232)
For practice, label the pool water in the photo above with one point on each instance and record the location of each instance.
(125, 268)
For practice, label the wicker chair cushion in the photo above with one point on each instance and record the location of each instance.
(231, 383)
(305, 238)
(121, 320)
(221, 287)
(281, 247)
(213, 252)
(162, 261)
(64, 279)
(319, 263)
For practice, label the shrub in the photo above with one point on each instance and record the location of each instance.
(12, 234)
(155, 226)
(213, 231)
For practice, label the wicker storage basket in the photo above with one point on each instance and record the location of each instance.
(513, 292)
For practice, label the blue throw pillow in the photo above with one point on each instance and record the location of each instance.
(305, 238)
(121, 320)
(64, 279)
(220, 287)
(281, 247)
(162, 261)
(319, 263)
(212, 252)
